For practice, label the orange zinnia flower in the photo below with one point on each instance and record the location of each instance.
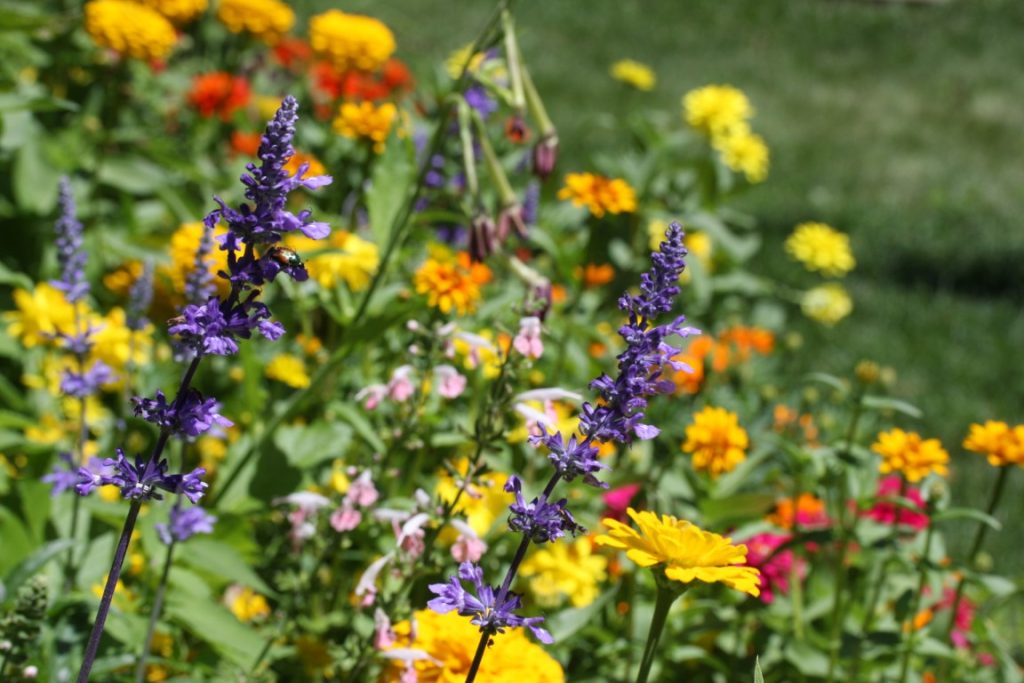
(219, 93)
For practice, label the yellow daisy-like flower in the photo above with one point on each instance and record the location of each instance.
(366, 121)
(178, 11)
(828, 303)
(570, 570)
(288, 369)
(268, 20)
(744, 151)
(599, 194)
(482, 503)
(39, 315)
(909, 454)
(716, 440)
(450, 641)
(822, 248)
(349, 259)
(351, 41)
(130, 29)
(714, 109)
(687, 552)
(463, 57)
(245, 603)
(633, 73)
(116, 344)
(452, 283)
(997, 441)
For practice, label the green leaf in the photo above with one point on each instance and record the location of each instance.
(10, 102)
(758, 676)
(28, 567)
(35, 179)
(827, 379)
(567, 622)
(881, 403)
(968, 513)
(213, 623)
(133, 175)
(807, 659)
(352, 414)
(393, 175)
(743, 506)
(309, 445)
(13, 278)
(218, 558)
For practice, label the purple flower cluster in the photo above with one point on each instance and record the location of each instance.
(193, 417)
(199, 281)
(140, 296)
(492, 611)
(185, 523)
(140, 479)
(82, 384)
(615, 417)
(70, 253)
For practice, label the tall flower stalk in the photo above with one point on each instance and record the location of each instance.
(214, 327)
(616, 417)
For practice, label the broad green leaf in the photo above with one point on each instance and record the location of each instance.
(567, 622)
(213, 623)
(882, 403)
(133, 175)
(28, 567)
(352, 414)
(968, 513)
(308, 445)
(14, 278)
(34, 178)
(218, 558)
(830, 380)
(393, 175)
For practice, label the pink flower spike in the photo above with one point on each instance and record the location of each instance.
(528, 341)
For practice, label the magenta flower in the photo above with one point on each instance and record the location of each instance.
(889, 513)
(776, 566)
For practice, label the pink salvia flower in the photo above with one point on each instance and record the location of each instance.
(528, 341)
(450, 383)
(373, 395)
(345, 519)
(468, 549)
(400, 387)
(362, 492)
(383, 635)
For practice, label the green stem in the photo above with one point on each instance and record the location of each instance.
(916, 604)
(663, 601)
(154, 615)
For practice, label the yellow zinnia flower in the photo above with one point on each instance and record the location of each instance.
(822, 248)
(39, 315)
(129, 29)
(289, 369)
(452, 283)
(743, 151)
(178, 11)
(268, 20)
(599, 194)
(828, 303)
(245, 603)
(348, 258)
(351, 41)
(997, 441)
(716, 440)
(570, 570)
(909, 454)
(687, 552)
(633, 73)
(366, 121)
(714, 109)
(450, 641)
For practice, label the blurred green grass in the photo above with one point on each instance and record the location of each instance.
(898, 124)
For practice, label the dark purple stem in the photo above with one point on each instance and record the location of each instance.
(126, 533)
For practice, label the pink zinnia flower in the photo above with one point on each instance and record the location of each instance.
(617, 500)
(775, 568)
(888, 513)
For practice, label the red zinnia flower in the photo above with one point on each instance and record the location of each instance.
(219, 93)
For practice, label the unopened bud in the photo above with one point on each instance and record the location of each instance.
(545, 155)
(511, 219)
(483, 239)
(868, 372)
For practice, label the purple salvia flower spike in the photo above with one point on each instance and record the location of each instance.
(70, 252)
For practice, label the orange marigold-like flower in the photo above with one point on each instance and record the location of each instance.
(808, 512)
(130, 29)
(351, 41)
(268, 20)
(366, 121)
(292, 52)
(247, 144)
(599, 194)
(998, 442)
(909, 454)
(716, 440)
(749, 339)
(452, 283)
(219, 94)
(594, 275)
(687, 552)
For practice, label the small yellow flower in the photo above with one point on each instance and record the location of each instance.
(123, 598)
(130, 29)
(39, 315)
(245, 603)
(212, 451)
(599, 194)
(351, 41)
(178, 11)
(687, 552)
(48, 431)
(828, 303)
(909, 454)
(268, 20)
(116, 344)
(997, 441)
(714, 109)
(482, 503)
(163, 644)
(716, 440)
(743, 151)
(339, 480)
(633, 73)
(347, 258)
(452, 283)
(288, 369)
(366, 121)
(458, 59)
(822, 248)
(570, 570)
(109, 494)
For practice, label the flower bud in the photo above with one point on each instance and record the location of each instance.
(483, 239)
(511, 219)
(868, 372)
(545, 155)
